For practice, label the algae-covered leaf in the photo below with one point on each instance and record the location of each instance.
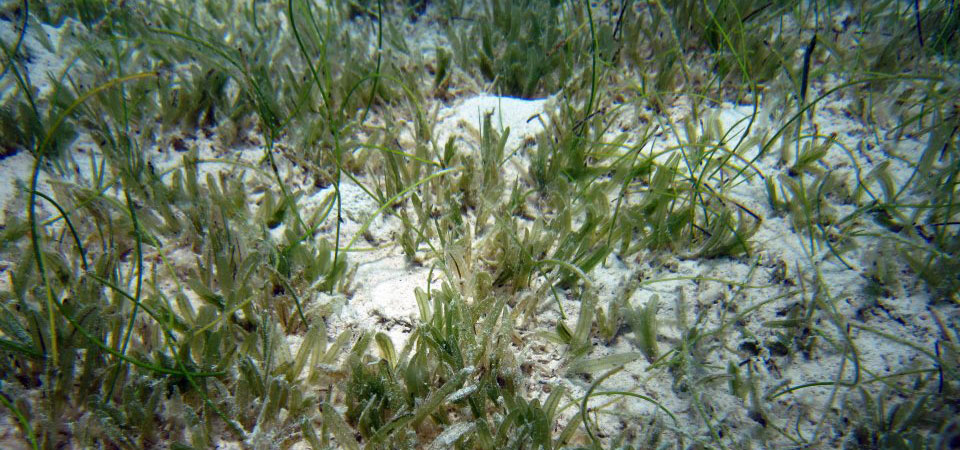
(644, 325)
(451, 435)
(437, 397)
(387, 350)
(312, 340)
(594, 365)
(333, 421)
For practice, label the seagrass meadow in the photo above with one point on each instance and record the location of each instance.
(480, 224)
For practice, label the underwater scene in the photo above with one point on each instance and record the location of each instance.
(480, 224)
